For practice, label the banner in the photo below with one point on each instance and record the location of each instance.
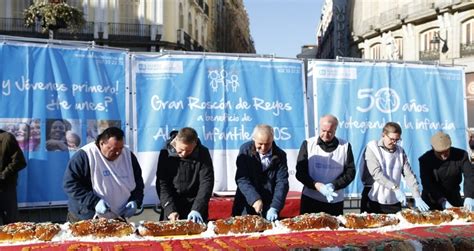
(364, 96)
(223, 98)
(56, 99)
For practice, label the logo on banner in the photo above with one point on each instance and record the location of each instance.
(385, 99)
(223, 79)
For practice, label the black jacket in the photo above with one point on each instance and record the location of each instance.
(185, 184)
(441, 179)
(11, 159)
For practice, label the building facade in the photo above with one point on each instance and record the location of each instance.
(406, 30)
(144, 25)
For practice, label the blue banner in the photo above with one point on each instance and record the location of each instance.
(57, 99)
(223, 98)
(422, 99)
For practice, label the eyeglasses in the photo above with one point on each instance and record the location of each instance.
(394, 140)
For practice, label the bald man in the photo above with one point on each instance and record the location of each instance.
(261, 177)
(325, 166)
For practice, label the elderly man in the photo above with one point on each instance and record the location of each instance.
(442, 169)
(185, 177)
(261, 177)
(325, 166)
(384, 164)
(103, 179)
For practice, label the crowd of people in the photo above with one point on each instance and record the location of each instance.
(104, 178)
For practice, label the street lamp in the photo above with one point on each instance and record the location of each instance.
(437, 39)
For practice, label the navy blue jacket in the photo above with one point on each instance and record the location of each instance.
(78, 186)
(271, 185)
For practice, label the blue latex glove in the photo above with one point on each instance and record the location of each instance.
(101, 207)
(469, 204)
(328, 191)
(129, 209)
(447, 205)
(195, 216)
(272, 214)
(421, 205)
(401, 196)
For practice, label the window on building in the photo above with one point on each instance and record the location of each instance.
(467, 36)
(190, 23)
(375, 51)
(399, 44)
(203, 32)
(129, 11)
(181, 16)
(18, 7)
(196, 30)
(426, 38)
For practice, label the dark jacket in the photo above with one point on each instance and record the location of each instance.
(271, 185)
(78, 186)
(11, 159)
(441, 179)
(185, 184)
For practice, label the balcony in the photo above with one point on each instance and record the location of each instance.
(429, 55)
(467, 49)
(123, 31)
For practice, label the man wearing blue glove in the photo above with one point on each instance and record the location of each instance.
(442, 169)
(185, 177)
(103, 179)
(261, 176)
(325, 166)
(382, 167)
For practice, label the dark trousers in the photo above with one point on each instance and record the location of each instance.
(310, 205)
(8, 205)
(369, 206)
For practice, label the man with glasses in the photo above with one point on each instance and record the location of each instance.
(185, 177)
(103, 179)
(325, 166)
(442, 169)
(382, 167)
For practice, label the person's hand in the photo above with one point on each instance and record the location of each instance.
(272, 214)
(173, 216)
(327, 190)
(129, 209)
(58, 145)
(447, 205)
(258, 206)
(195, 216)
(2, 176)
(400, 196)
(101, 207)
(469, 204)
(421, 205)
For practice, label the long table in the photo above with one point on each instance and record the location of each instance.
(426, 236)
(221, 207)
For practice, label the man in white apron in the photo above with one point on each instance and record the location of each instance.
(325, 166)
(384, 164)
(103, 179)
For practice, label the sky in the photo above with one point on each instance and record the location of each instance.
(281, 27)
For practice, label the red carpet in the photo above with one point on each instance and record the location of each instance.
(309, 239)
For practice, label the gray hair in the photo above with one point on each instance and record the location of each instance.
(262, 129)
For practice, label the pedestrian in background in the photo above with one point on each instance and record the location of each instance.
(12, 161)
